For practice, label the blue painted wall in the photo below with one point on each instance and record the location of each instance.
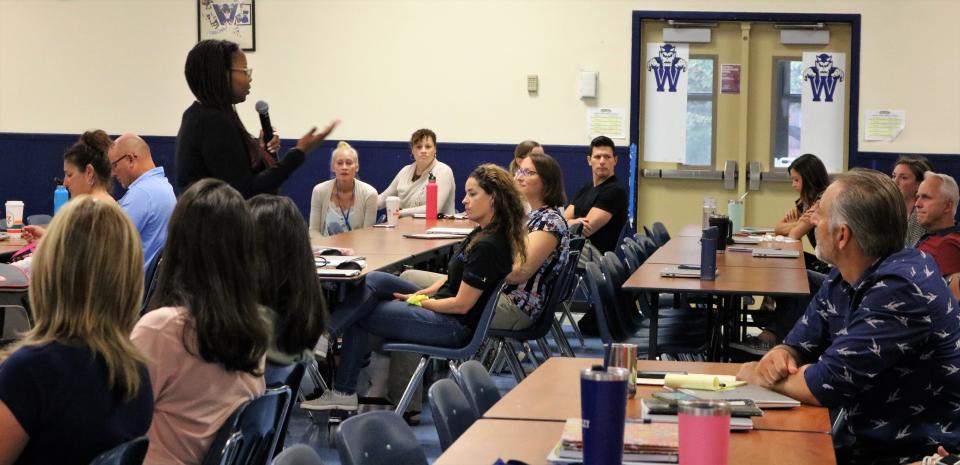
(29, 162)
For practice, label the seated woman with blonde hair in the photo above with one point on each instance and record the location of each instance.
(343, 203)
(75, 386)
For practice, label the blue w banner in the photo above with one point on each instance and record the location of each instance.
(823, 77)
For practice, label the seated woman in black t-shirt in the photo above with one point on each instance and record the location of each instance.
(75, 386)
(451, 311)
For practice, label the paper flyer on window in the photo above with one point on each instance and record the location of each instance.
(665, 102)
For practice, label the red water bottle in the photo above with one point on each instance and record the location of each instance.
(431, 197)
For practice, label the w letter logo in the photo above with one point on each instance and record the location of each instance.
(666, 68)
(823, 78)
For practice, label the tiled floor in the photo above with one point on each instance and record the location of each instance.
(317, 434)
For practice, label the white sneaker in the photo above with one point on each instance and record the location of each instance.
(332, 400)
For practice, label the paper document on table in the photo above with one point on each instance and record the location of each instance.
(335, 260)
(762, 397)
(702, 382)
(337, 273)
(460, 231)
(433, 236)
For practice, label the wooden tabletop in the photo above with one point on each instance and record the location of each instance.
(552, 393)
(736, 280)
(531, 441)
(686, 250)
(11, 245)
(384, 248)
(372, 241)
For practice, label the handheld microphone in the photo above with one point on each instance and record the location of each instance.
(263, 109)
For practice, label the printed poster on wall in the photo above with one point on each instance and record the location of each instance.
(822, 105)
(665, 104)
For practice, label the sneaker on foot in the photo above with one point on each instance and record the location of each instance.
(332, 400)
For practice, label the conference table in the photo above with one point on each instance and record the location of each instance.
(11, 245)
(527, 422)
(739, 274)
(387, 248)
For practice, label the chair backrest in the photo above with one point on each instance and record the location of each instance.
(14, 321)
(39, 219)
(631, 260)
(129, 453)
(478, 385)
(290, 376)
(615, 269)
(452, 412)
(378, 438)
(596, 280)
(248, 437)
(567, 286)
(659, 230)
(298, 454)
(647, 243)
(618, 304)
(576, 230)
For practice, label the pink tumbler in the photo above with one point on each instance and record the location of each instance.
(704, 432)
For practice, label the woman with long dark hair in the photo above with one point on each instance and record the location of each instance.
(213, 142)
(75, 386)
(205, 338)
(290, 293)
(808, 176)
(445, 313)
(540, 180)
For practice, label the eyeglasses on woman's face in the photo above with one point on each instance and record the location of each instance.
(523, 172)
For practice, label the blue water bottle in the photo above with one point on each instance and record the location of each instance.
(60, 197)
(708, 253)
(603, 403)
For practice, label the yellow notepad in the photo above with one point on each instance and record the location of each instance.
(702, 382)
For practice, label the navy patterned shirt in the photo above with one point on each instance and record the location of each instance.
(529, 297)
(888, 349)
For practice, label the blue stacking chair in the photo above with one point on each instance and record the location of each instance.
(452, 354)
(290, 376)
(378, 438)
(451, 410)
(545, 321)
(298, 454)
(478, 386)
(129, 453)
(249, 436)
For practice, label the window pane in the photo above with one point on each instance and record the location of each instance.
(796, 77)
(700, 80)
(699, 132)
(787, 118)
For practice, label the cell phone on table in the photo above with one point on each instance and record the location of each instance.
(384, 225)
(689, 267)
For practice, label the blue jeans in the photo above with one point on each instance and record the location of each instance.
(371, 309)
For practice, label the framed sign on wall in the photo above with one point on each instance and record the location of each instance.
(231, 20)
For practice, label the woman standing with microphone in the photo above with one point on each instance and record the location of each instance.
(212, 141)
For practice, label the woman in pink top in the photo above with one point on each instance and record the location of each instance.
(205, 340)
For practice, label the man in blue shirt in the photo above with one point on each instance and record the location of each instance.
(149, 200)
(881, 338)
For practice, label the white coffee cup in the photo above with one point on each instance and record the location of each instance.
(393, 210)
(14, 209)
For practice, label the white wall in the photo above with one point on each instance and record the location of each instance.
(389, 67)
